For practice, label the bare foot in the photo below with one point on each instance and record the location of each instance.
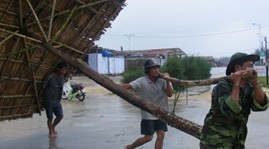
(52, 135)
(55, 132)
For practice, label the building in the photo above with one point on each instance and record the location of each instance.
(106, 61)
(135, 58)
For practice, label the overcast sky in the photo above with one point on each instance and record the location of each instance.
(199, 27)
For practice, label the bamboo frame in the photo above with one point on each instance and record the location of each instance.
(63, 27)
(18, 51)
(67, 11)
(6, 11)
(24, 26)
(16, 96)
(9, 25)
(51, 18)
(37, 21)
(5, 78)
(69, 47)
(20, 35)
(7, 38)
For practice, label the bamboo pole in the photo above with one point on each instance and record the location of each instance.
(33, 39)
(9, 25)
(249, 75)
(20, 35)
(51, 18)
(67, 11)
(69, 47)
(15, 116)
(4, 78)
(16, 52)
(63, 27)
(37, 20)
(16, 106)
(16, 96)
(7, 38)
(29, 64)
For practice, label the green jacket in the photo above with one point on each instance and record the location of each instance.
(225, 125)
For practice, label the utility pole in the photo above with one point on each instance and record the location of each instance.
(129, 39)
(266, 59)
(260, 36)
(260, 42)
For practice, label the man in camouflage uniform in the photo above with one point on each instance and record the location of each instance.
(225, 125)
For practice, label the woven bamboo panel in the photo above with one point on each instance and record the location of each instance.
(70, 26)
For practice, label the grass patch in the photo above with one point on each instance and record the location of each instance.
(263, 81)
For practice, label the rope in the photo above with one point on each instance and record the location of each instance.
(179, 89)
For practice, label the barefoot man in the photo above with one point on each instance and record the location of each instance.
(52, 94)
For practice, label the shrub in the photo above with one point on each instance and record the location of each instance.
(131, 75)
(196, 68)
(187, 68)
(174, 67)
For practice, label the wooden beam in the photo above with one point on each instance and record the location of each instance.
(182, 124)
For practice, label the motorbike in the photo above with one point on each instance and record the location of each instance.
(72, 91)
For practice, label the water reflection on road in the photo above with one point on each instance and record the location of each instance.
(104, 121)
(99, 123)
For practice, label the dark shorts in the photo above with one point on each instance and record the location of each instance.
(57, 110)
(149, 127)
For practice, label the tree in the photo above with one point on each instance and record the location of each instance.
(174, 67)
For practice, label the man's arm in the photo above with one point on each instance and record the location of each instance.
(258, 92)
(126, 86)
(169, 89)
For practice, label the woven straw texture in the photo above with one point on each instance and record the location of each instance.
(70, 26)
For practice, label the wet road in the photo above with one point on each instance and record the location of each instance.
(104, 121)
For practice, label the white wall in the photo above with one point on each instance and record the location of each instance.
(261, 70)
(92, 61)
(106, 65)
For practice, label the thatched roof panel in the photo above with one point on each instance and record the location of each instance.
(70, 26)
